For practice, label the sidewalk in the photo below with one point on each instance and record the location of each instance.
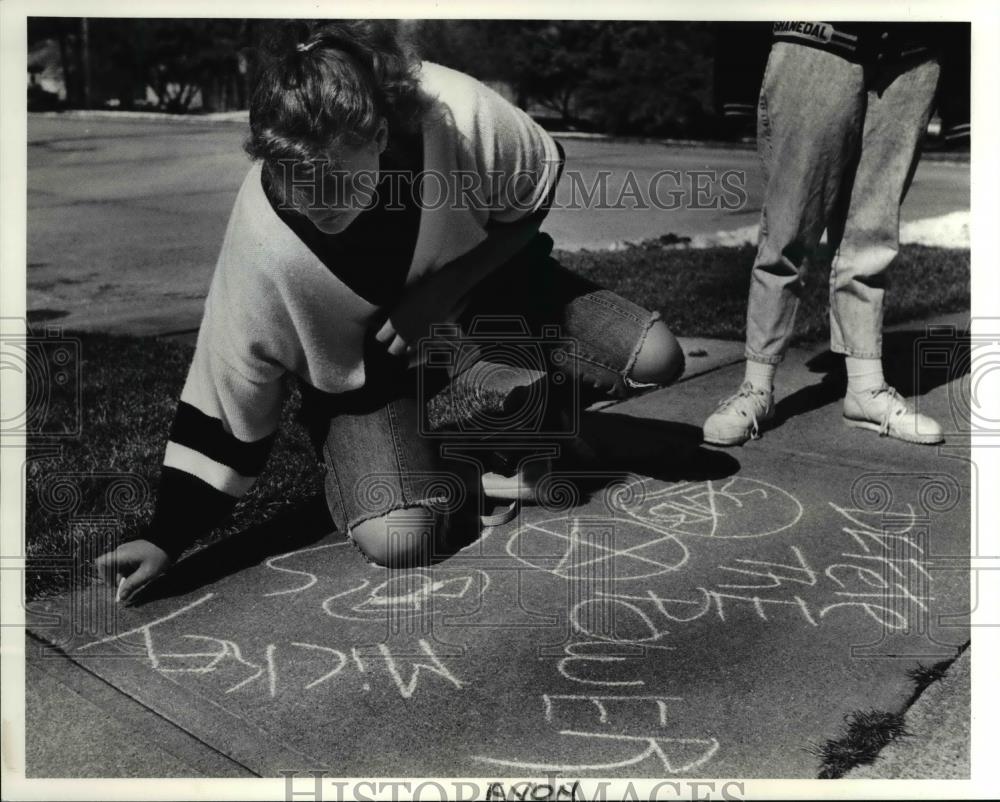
(717, 613)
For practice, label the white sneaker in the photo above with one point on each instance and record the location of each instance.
(739, 417)
(515, 487)
(510, 484)
(885, 411)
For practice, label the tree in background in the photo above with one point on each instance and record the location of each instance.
(178, 59)
(65, 34)
(543, 63)
(651, 78)
(647, 78)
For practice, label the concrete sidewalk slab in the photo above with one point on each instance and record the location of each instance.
(707, 613)
(76, 725)
(926, 361)
(704, 354)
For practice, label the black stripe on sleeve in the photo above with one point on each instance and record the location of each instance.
(205, 434)
(186, 509)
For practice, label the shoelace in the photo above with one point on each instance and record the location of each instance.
(897, 406)
(746, 391)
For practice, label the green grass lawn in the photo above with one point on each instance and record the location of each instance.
(130, 388)
(704, 292)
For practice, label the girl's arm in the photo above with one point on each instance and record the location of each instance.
(509, 144)
(434, 299)
(220, 438)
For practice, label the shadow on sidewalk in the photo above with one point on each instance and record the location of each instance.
(915, 362)
(621, 445)
(291, 529)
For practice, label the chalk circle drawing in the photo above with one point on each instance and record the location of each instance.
(617, 549)
(643, 536)
(739, 507)
(410, 593)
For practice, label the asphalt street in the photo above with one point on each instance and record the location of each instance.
(125, 218)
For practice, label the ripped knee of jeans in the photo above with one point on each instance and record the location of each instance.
(406, 537)
(657, 360)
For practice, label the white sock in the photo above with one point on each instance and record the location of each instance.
(761, 375)
(863, 374)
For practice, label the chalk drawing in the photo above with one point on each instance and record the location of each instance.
(645, 537)
(357, 660)
(660, 604)
(407, 688)
(341, 661)
(884, 530)
(272, 673)
(407, 594)
(866, 576)
(740, 507)
(886, 616)
(562, 547)
(225, 649)
(900, 566)
(312, 578)
(710, 599)
(778, 574)
(655, 746)
(759, 604)
(611, 609)
(573, 656)
(361, 667)
(600, 702)
(146, 630)
(764, 607)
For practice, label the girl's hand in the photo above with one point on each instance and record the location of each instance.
(393, 340)
(132, 566)
(435, 298)
(427, 302)
(431, 300)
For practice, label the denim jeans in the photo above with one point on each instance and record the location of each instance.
(839, 143)
(378, 453)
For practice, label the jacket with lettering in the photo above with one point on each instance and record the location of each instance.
(742, 48)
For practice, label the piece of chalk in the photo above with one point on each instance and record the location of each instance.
(118, 593)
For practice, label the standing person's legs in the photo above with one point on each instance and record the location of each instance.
(899, 104)
(809, 119)
(895, 122)
(810, 116)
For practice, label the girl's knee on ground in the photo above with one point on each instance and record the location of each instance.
(403, 538)
(660, 359)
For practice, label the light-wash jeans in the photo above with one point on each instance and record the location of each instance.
(402, 466)
(839, 145)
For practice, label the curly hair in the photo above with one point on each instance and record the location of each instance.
(323, 85)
